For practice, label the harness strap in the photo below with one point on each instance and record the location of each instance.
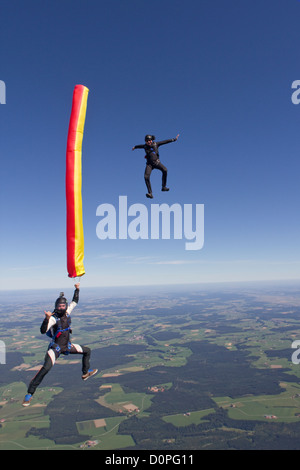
(59, 332)
(57, 348)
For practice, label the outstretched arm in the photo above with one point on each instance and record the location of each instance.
(76, 293)
(168, 141)
(138, 147)
(75, 299)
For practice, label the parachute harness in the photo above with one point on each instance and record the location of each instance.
(58, 333)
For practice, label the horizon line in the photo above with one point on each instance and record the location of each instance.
(176, 284)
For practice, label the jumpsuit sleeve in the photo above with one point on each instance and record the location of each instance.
(163, 142)
(76, 296)
(47, 324)
(139, 146)
(74, 302)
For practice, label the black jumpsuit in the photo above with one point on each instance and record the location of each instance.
(153, 162)
(59, 329)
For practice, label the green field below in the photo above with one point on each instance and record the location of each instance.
(282, 408)
(186, 419)
(105, 433)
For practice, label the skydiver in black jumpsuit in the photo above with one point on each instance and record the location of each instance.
(153, 162)
(57, 325)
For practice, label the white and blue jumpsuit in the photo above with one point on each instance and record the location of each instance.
(58, 327)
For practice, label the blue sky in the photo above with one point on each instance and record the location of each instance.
(217, 72)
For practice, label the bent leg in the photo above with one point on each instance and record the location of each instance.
(86, 354)
(50, 359)
(164, 171)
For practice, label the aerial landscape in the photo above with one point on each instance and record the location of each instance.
(193, 367)
(150, 160)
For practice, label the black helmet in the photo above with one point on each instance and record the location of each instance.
(61, 300)
(149, 137)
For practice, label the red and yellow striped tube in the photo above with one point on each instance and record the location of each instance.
(75, 239)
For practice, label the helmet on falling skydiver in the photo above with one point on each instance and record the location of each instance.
(149, 137)
(61, 304)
